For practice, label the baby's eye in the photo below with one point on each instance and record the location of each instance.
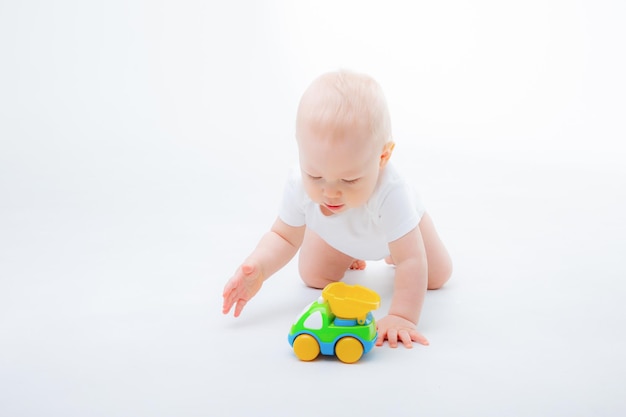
(313, 177)
(350, 181)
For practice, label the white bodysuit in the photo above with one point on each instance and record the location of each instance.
(393, 210)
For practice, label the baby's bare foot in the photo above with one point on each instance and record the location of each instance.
(389, 260)
(358, 264)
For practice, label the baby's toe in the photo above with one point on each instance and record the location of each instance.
(358, 264)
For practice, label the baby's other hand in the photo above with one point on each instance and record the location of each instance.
(395, 328)
(242, 287)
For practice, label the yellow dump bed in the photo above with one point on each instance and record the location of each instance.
(351, 301)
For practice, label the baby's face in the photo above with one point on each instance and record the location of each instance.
(340, 168)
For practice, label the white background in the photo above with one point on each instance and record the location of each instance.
(143, 147)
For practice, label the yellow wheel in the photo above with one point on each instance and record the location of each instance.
(306, 347)
(349, 349)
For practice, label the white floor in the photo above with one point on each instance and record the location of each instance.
(124, 208)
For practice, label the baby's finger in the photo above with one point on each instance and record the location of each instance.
(228, 301)
(406, 339)
(240, 305)
(392, 338)
(228, 288)
(226, 307)
(417, 337)
(380, 339)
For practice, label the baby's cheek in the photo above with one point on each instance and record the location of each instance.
(358, 198)
(365, 193)
(312, 192)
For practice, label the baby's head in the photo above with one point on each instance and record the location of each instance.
(343, 131)
(342, 100)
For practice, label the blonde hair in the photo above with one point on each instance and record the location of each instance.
(343, 98)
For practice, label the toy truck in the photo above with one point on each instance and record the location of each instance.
(339, 323)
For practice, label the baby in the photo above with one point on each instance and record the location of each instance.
(349, 205)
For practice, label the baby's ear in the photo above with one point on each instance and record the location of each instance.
(386, 154)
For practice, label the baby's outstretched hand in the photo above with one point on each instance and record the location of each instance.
(242, 287)
(395, 328)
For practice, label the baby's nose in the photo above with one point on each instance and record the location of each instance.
(331, 190)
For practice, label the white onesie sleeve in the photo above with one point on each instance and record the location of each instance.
(294, 198)
(400, 211)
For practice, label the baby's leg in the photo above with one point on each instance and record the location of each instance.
(319, 263)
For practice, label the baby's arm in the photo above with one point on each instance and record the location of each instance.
(274, 250)
(410, 285)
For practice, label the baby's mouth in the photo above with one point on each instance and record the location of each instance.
(333, 207)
